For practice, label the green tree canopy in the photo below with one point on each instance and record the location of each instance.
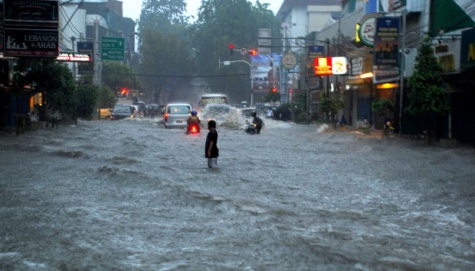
(166, 64)
(427, 86)
(117, 76)
(55, 81)
(221, 23)
(161, 14)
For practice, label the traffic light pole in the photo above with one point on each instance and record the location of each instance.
(227, 63)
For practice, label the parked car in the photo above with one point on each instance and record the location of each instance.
(176, 115)
(121, 111)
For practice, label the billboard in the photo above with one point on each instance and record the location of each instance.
(386, 49)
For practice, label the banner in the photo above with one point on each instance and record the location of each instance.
(386, 49)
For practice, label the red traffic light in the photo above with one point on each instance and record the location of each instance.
(231, 49)
(124, 91)
(252, 52)
(274, 90)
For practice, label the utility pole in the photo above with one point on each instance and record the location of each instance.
(73, 41)
(401, 72)
(96, 51)
(227, 63)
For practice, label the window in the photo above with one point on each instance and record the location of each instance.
(182, 109)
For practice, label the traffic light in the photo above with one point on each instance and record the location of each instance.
(274, 90)
(124, 92)
(252, 52)
(231, 49)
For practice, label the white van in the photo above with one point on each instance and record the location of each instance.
(176, 115)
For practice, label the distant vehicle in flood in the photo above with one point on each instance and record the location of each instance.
(121, 111)
(212, 99)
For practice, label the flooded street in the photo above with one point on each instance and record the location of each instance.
(132, 195)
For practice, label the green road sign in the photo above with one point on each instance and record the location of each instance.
(112, 48)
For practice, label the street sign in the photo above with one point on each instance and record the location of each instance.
(112, 48)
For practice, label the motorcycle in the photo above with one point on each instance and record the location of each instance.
(249, 127)
(193, 129)
(388, 129)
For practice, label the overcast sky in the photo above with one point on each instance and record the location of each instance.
(132, 8)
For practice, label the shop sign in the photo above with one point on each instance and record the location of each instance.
(28, 12)
(467, 58)
(386, 50)
(74, 57)
(86, 47)
(366, 28)
(289, 60)
(330, 66)
(356, 66)
(391, 5)
(31, 43)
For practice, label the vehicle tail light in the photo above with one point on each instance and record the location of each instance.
(193, 129)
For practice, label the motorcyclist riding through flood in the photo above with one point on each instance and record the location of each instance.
(193, 123)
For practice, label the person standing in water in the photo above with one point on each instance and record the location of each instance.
(211, 145)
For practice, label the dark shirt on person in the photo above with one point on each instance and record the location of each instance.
(212, 137)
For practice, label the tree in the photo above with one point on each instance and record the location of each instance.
(117, 76)
(384, 108)
(299, 107)
(272, 96)
(330, 106)
(427, 87)
(221, 23)
(55, 81)
(162, 15)
(87, 97)
(165, 49)
(166, 64)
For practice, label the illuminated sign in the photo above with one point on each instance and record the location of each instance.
(330, 65)
(74, 57)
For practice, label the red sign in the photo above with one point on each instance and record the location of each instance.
(330, 65)
(322, 66)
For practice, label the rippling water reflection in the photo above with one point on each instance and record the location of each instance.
(132, 195)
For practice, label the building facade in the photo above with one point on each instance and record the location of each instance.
(449, 23)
